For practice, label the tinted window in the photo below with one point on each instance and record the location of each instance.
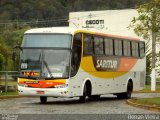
(88, 44)
(76, 53)
(135, 52)
(47, 40)
(98, 45)
(142, 49)
(108, 46)
(118, 47)
(126, 48)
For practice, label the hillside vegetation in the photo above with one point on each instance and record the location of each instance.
(16, 16)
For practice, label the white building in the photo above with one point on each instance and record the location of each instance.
(108, 21)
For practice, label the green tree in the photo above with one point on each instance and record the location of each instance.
(148, 20)
(1, 61)
(147, 24)
(3, 52)
(10, 37)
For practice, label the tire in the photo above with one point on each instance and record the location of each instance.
(83, 98)
(127, 94)
(129, 90)
(43, 99)
(95, 97)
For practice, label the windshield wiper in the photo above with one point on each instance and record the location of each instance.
(45, 63)
(48, 69)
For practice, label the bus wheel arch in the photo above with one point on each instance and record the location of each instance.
(86, 91)
(129, 89)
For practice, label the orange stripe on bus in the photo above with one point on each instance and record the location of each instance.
(88, 66)
(41, 83)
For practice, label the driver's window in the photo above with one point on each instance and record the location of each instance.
(76, 54)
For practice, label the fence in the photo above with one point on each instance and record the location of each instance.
(8, 81)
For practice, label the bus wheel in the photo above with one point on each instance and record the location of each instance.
(95, 97)
(129, 90)
(83, 98)
(43, 99)
(127, 94)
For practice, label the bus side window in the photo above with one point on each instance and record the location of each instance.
(88, 44)
(98, 46)
(135, 52)
(126, 48)
(142, 49)
(108, 46)
(133, 49)
(129, 48)
(118, 47)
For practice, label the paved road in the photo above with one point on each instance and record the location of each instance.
(108, 104)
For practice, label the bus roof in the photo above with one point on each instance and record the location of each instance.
(65, 30)
(69, 30)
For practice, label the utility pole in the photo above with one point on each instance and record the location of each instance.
(153, 74)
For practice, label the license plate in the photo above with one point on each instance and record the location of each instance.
(40, 92)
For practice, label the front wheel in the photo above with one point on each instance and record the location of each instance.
(95, 97)
(83, 98)
(129, 90)
(43, 99)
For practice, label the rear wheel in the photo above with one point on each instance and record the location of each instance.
(43, 99)
(129, 90)
(127, 94)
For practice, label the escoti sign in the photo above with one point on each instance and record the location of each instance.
(86, 20)
(108, 21)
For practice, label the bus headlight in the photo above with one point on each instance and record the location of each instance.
(61, 86)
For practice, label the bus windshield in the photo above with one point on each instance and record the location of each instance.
(47, 40)
(41, 58)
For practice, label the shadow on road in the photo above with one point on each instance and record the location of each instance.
(69, 101)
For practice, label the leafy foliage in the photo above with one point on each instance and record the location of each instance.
(148, 20)
(1, 61)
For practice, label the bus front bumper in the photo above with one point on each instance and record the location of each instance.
(52, 92)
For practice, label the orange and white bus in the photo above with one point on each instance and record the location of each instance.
(65, 62)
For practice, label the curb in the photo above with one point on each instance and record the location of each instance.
(12, 96)
(148, 107)
(146, 91)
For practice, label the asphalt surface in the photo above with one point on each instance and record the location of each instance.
(107, 107)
